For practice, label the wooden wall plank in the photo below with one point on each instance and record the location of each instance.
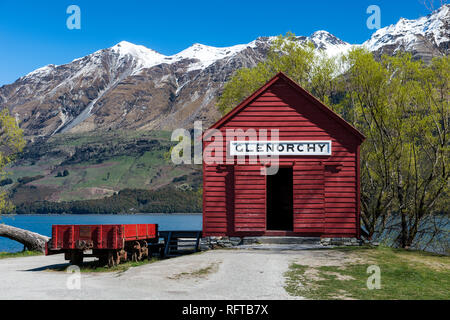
(325, 197)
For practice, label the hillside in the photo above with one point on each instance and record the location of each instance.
(97, 166)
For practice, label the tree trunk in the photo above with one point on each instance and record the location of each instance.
(31, 240)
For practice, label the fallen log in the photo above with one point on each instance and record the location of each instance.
(31, 240)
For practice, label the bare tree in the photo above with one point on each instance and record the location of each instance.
(31, 240)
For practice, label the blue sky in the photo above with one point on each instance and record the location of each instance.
(34, 33)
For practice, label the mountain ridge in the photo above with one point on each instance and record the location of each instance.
(129, 86)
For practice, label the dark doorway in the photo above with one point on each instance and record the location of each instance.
(280, 198)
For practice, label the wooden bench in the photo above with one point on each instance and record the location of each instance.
(179, 242)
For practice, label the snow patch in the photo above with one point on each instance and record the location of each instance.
(40, 72)
(329, 44)
(144, 57)
(406, 31)
(207, 55)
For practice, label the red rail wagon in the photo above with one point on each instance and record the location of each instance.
(110, 243)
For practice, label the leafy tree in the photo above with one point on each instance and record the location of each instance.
(11, 143)
(312, 69)
(6, 181)
(401, 105)
(420, 93)
(367, 89)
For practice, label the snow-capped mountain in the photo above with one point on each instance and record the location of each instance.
(147, 58)
(130, 86)
(330, 44)
(133, 87)
(126, 86)
(425, 37)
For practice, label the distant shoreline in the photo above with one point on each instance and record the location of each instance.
(100, 214)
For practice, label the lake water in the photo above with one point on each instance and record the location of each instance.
(43, 223)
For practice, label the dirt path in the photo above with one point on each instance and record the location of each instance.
(219, 274)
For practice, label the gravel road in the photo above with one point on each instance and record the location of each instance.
(217, 274)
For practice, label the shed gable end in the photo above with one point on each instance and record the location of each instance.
(281, 100)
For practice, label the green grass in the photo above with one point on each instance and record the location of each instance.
(4, 255)
(404, 275)
(93, 266)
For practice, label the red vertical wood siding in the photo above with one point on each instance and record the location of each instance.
(249, 199)
(326, 189)
(215, 198)
(309, 202)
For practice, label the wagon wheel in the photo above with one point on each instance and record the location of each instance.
(117, 257)
(123, 255)
(112, 258)
(144, 252)
(76, 257)
(136, 252)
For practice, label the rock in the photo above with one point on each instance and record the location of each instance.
(235, 241)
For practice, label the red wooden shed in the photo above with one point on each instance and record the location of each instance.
(316, 189)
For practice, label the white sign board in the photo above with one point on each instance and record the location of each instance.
(280, 148)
